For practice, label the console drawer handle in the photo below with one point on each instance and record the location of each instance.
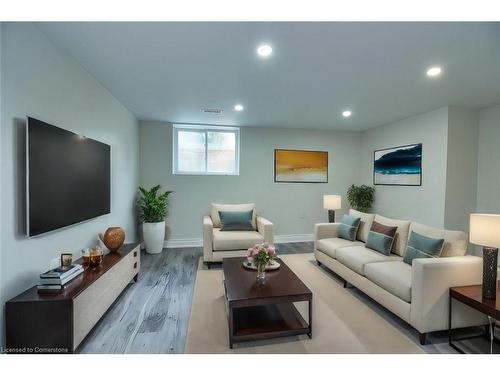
(135, 254)
(135, 265)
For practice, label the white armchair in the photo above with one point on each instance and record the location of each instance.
(219, 244)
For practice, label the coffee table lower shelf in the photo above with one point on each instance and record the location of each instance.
(265, 322)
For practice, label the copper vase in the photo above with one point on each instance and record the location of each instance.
(113, 238)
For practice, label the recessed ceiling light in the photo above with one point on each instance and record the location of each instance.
(264, 50)
(238, 107)
(347, 113)
(434, 71)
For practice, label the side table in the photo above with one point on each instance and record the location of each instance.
(472, 296)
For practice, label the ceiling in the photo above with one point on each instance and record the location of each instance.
(171, 71)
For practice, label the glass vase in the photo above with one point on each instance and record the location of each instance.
(261, 271)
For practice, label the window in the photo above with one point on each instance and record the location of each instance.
(206, 150)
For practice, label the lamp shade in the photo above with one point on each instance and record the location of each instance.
(332, 202)
(485, 230)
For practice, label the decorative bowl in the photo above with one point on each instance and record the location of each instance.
(113, 238)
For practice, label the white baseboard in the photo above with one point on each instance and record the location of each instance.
(287, 238)
(185, 242)
(198, 242)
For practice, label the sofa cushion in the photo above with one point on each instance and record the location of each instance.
(401, 233)
(236, 220)
(216, 207)
(348, 227)
(394, 277)
(356, 257)
(381, 238)
(364, 225)
(455, 242)
(330, 245)
(235, 240)
(422, 247)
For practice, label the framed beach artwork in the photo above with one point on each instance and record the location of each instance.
(300, 166)
(398, 166)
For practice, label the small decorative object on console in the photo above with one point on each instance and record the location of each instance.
(485, 231)
(96, 255)
(66, 259)
(261, 255)
(113, 238)
(86, 256)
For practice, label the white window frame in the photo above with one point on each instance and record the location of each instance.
(205, 129)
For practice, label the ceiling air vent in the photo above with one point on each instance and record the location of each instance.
(213, 111)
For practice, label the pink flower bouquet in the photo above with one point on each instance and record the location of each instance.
(261, 255)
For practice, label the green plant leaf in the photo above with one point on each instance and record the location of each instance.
(361, 197)
(152, 207)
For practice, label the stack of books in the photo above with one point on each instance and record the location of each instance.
(56, 279)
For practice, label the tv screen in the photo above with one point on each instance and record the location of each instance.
(68, 178)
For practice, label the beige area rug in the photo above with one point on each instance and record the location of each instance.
(342, 323)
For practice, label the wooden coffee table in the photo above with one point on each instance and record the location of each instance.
(263, 310)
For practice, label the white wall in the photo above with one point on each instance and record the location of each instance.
(293, 207)
(488, 172)
(424, 203)
(39, 80)
(461, 170)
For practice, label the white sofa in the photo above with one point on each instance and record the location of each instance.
(418, 294)
(219, 244)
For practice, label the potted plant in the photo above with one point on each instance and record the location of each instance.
(152, 211)
(361, 197)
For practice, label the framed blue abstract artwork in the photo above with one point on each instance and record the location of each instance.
(398, 166)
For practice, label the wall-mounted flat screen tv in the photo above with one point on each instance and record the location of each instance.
(68, 178)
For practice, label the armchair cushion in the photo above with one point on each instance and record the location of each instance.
(216, 207)
(235, 240)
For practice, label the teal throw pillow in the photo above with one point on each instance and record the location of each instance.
(349, 227)
(420, 246)
(381, 237)
(236, 220)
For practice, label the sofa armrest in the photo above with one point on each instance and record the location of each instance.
(325, 230)
(432, 279)
(265, 227)
(208, 234)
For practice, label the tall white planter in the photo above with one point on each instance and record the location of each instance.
(154, 236)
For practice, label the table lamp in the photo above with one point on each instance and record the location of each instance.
(331, 203)
(485, 231)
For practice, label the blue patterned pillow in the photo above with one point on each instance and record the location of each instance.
(422, 247)
(349, 227)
